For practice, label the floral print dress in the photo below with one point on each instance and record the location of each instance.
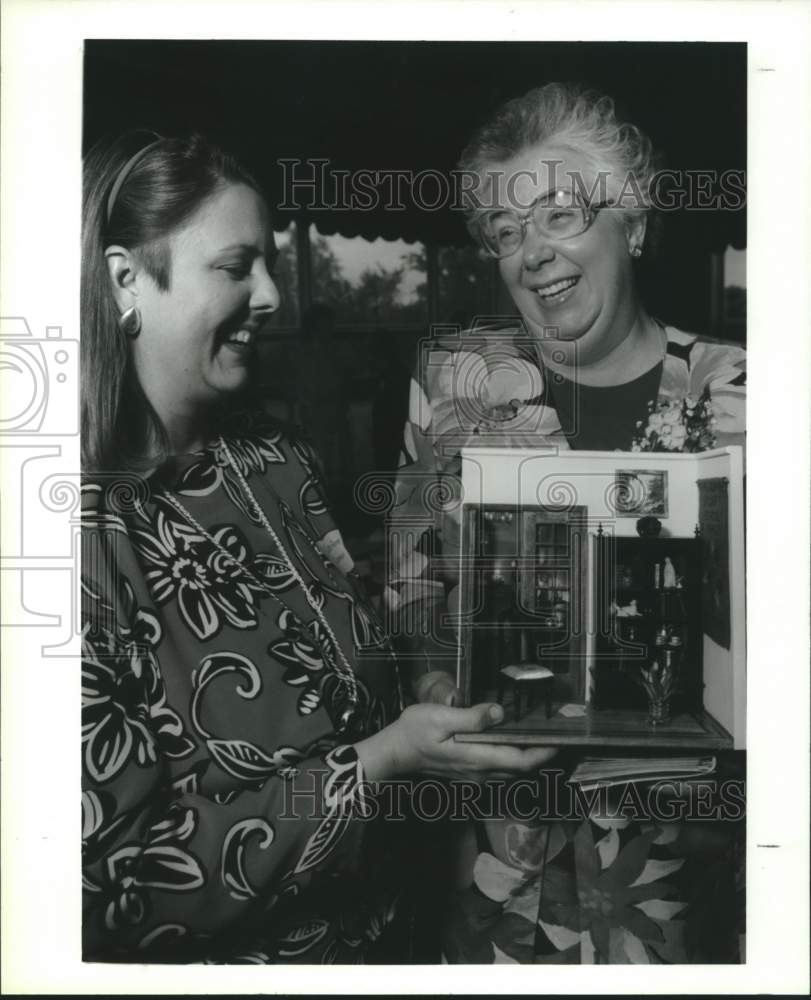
(606, 889)
(222, 796)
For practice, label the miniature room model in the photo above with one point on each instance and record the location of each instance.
(603, 596)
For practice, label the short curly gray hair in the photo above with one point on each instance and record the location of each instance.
(570, 117)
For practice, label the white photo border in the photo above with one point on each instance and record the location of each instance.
(42, 46)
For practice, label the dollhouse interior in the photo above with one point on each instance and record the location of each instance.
(602, 599)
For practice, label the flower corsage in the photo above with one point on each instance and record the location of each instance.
(686, 424)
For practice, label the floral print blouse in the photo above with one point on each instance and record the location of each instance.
(221, 790)
(487, 387)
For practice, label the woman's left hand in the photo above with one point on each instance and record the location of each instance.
(437, 688)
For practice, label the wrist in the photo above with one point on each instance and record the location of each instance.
(376, 756)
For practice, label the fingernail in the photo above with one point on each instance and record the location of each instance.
(495, 712)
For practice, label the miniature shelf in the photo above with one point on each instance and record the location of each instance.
(607, 728)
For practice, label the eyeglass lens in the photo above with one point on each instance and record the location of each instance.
(561, 217)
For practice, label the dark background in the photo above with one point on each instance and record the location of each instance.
(412, 106)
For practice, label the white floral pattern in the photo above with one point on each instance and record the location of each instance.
(479, 388)
(209, 693)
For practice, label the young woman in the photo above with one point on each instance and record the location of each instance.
(238, 693)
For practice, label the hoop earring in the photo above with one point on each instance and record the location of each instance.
(129, 322)
(636, 252)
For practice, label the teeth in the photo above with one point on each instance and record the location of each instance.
(557, 288)
(240, 337)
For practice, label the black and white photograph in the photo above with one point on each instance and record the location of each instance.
(641, 493)
(408, 540)
(249, 587)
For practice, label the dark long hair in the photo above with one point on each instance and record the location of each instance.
(163, 188)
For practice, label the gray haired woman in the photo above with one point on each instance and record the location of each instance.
(561, 196)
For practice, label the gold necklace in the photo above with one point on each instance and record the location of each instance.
(343, 669)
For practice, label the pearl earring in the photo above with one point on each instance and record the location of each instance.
(636, 251)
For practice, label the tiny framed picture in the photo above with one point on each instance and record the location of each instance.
(639, 492)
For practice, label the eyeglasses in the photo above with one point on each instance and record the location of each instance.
(557, 215)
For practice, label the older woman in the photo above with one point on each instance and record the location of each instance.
(238, 693)
(561, 199)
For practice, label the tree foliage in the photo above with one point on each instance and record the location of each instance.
(387, 295)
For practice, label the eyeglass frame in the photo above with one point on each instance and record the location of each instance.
(589, 216)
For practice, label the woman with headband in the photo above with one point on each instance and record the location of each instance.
(239, 696)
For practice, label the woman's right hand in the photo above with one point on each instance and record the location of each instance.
(421, 741)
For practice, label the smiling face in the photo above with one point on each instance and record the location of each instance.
(196, 340)
(582, 286)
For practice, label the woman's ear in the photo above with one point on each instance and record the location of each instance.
(635, 228)
(123, 271)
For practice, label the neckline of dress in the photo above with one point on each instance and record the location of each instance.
(615, 387)
(664, 340)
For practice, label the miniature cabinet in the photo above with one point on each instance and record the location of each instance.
(529, 589)
(642, 613)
